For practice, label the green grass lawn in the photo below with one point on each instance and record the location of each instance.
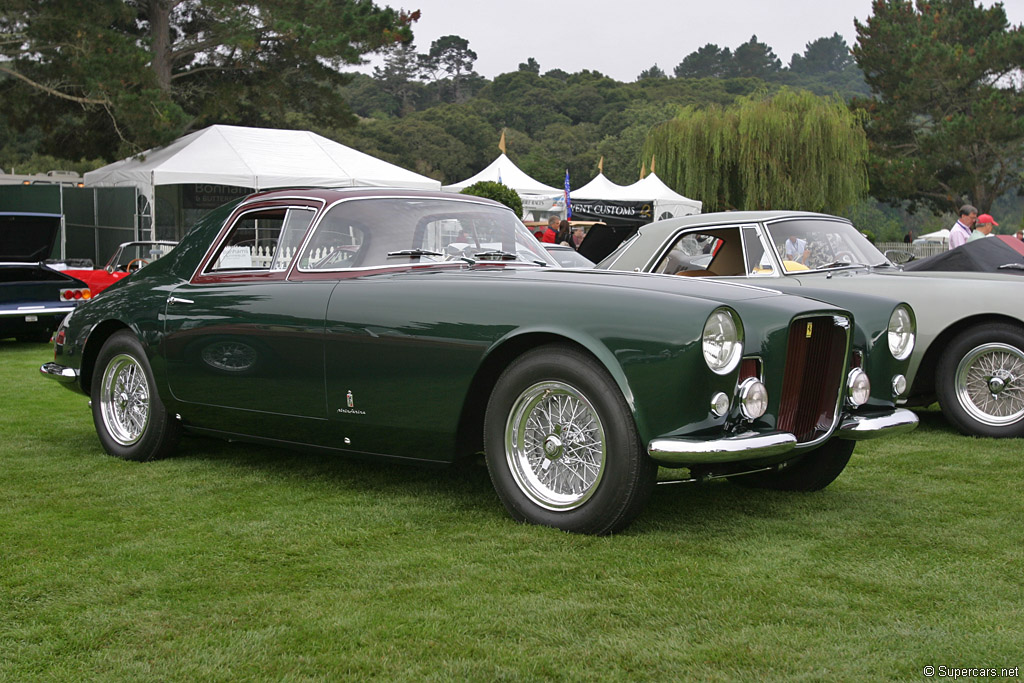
(235, 562)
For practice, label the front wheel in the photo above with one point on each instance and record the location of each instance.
(562, 448)
(812, 472)
(131, 420)
(980, 381)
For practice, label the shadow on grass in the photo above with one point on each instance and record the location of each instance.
(717, 507)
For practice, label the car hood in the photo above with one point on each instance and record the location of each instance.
(27, 237)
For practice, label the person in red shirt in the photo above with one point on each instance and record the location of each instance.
(549, 233)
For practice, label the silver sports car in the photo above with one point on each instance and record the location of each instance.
(970, 348)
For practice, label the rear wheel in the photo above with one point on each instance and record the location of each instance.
(812, 472)
(562, 448)
(980, 381)
(131, 420)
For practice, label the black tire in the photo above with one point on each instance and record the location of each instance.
(980, 381)
(131, 420)
(812, 472)
(561, 445)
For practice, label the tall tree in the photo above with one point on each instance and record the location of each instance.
(755, 59)
(947, 113)
(822, 56)
(793, 150)
(154, 67)
(450, 55)
(709, 61)
(399, 75)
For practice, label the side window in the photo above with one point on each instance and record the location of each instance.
(294, 229)
(262, 240)
(336, 244)
(716, 251)
(759, 262)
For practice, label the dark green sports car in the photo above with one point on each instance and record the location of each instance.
(426, 326)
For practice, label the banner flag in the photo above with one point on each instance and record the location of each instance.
(568, 204)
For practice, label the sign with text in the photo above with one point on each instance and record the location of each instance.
(207, 196)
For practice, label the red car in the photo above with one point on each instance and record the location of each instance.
(127, 259)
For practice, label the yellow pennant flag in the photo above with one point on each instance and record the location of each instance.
(501, 143)
(600, 165)
(652, 164)
(643, 170)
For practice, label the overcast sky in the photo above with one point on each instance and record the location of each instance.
(621, 39)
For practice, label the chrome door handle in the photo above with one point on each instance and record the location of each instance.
(176, 300)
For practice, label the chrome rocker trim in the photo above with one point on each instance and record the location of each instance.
(856, 427)
(61, 373)
(745, 446)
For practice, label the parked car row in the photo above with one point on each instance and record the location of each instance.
(425, 326)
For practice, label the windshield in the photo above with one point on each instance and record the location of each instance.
(817, 243)
(375, 232)
(138, 254)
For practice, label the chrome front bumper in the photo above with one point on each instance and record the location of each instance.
(751, 445)
(857, 427)
(748, 446)
(61, 373)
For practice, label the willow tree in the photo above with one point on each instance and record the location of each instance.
(793, 150)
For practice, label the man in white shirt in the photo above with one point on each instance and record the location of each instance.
(961, 231)
(796, 250)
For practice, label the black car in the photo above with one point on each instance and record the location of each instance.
(34, 297)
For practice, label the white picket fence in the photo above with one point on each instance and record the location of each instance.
(918, 250)
(262, 257)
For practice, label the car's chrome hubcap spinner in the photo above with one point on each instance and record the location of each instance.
(990, 384)
(555, 445)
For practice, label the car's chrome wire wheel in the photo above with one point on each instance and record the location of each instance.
(124, 399)
(990, 384)
(555, 445)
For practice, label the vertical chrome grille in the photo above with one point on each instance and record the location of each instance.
(812, 385)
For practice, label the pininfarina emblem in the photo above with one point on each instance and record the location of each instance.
(348, 399)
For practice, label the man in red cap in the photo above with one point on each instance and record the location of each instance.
(982, 227)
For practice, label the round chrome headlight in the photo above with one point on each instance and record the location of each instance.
(858, 387)
(753, 398)
(901, 333)
(722, 341)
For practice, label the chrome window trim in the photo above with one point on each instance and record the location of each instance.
(362, 269)
(247, 206)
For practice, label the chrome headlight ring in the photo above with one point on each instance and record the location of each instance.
(722, 341)
(901, 332)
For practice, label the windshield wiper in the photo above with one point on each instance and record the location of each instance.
(840, 264)
(495, 255)
(414, 252)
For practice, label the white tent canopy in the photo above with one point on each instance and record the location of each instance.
(600, 188)
(939, 236)
(643, 201)
(666, 200)
(537, 197)
(258, 158)
(503, 171)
